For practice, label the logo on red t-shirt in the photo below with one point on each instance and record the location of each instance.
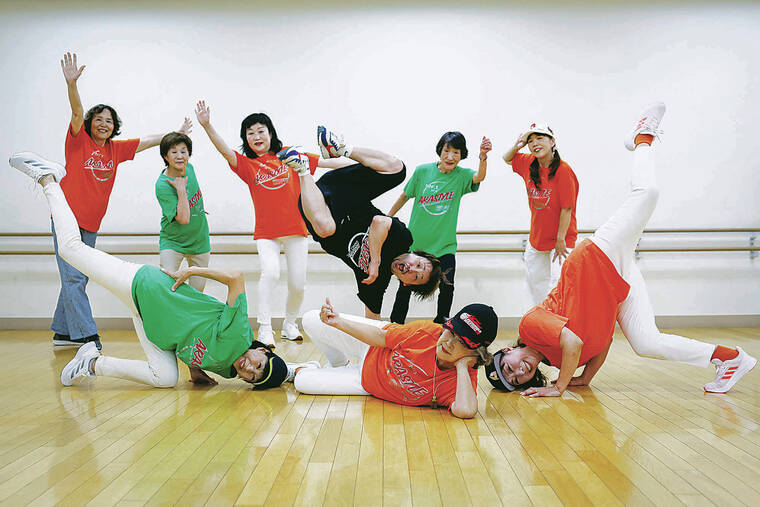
(270, 177)
(358, 250)
(539, 199)
(434, 201)
(403, 373)
(99, 170)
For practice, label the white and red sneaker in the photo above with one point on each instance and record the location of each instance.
(297, 160)
(647, 124)
(331, 144)
(728, 373)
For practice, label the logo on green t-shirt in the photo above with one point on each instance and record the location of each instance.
(434, 201)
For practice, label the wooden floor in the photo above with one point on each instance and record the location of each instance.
(644, 434)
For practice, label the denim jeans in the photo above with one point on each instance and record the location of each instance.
(73, 315)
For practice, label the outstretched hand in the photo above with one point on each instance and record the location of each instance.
(203, 113)
(180, 276)
(560, 250)
(535, 392)
(187, 126)
(200, 377)
(371, 274)
(521, 141)
(327, 314)
(69, 67)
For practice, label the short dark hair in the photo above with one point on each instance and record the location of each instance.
(538, 379)
(427, 289)
(252, 119)
(173, 139)
(99, 109)
(454, 139)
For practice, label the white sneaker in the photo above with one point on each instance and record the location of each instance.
(80, 365)
(728, 373)
(35, 166)
(266, 335)
(292, 367)
(648, 124)
(290, 332)
(331, 144)
(297, 160)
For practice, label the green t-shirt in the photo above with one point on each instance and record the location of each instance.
(436, 206)
(201, 330)
(193, 237)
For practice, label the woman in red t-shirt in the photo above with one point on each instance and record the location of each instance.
(274, 191)
(552, 193)
(601, 283)
(417, 364)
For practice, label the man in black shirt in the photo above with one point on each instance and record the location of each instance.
(339, 214)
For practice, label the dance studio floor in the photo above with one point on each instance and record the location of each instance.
(644, 433)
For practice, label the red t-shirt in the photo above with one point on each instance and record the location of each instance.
(404, 370)
(90, 172)
(585, 300)
(275, 189)
(547, 202)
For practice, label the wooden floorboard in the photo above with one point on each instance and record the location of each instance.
(644, 433)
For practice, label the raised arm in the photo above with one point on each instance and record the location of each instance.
(183, 205)
(203, 113)
(485, 147)
(465, 404)
(232, 279)
(571, 346)
(71, 74)
(370, 335)
(155, 139)
(378, 232)
(508, 156)
(398, 204)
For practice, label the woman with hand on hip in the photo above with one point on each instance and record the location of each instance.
(552, 194)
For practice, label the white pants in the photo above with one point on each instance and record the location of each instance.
(171, 260)
(617, 238)
(116, 275)
(540, 272)
(296, 253)
(341, 377)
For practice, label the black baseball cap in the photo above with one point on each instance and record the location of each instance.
(275, 372)
(494, 373)
(476, 324)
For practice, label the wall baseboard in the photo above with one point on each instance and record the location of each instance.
(663, 321)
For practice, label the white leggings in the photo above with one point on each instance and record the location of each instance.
(171, 260)
(540, 272)
(341, 377)
(116, 275)
(296, 253)
(617, 238)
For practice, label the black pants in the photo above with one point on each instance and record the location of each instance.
(445, 294)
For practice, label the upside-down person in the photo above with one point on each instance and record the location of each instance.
(417, 364)
(599, 284)
(340, 216)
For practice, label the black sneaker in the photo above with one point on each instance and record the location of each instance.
(64, 340)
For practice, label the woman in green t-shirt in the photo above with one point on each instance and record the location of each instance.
(184, 228)
(172, 319)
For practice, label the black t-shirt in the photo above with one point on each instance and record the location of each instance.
(350, 243)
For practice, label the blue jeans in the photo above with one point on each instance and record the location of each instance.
(73, 315)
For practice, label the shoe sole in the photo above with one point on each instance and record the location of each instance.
(298, 338)
(323, 143)
(79, 379)
(62, 343)
(737, 376)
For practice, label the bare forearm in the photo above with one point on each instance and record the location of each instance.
(508, 156)
(571, 346)
(366, 333)
(232, 279)
(594, 364)
(227, 152)
(77, 111)
(465, 404)
(378, 233)
(481, 174)
(183, 208)
(398, 204)
(149, 141)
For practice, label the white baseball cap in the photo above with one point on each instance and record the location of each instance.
(539, 128)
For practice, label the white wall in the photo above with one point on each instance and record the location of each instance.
(396, 78)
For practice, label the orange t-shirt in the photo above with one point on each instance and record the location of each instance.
(547, 202)
(585, 300)
(404, 370)
(90, 172)
(275, 190)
